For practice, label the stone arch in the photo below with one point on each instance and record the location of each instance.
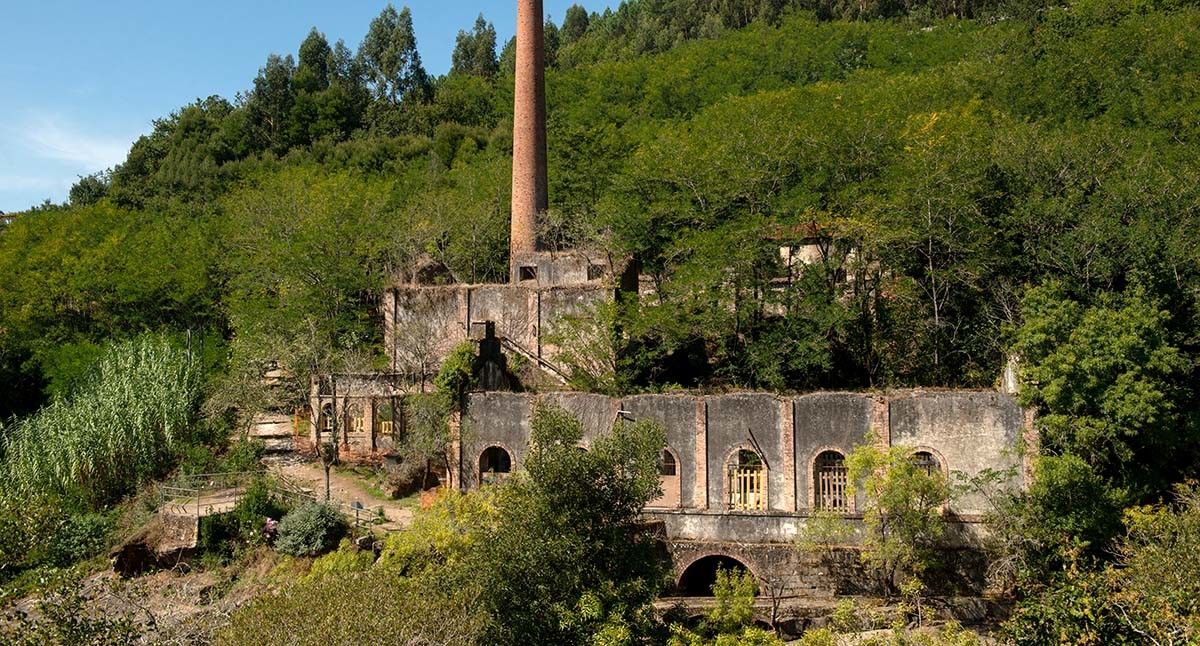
(916, 450)
(495, 462)
(819, 469)
(697, 577)
(743, 491)
(670, 475)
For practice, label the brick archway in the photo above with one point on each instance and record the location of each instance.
(695, 576)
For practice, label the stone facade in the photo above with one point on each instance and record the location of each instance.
(423, 323)
(967, 431)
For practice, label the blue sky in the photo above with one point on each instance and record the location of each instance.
(79, 81)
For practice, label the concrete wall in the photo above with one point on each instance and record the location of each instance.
(682, 418)
(494, 419)
(428, 320)
(823, 422)
(562, 268)
(967, 431)
(747, 421)
(431, 321)
(595, 412)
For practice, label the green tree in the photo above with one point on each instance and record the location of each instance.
(390, 58)
(1105, 381)
(569, 533)
(89, 189)
(575, 24)
(314, 69)
(903, 507)
(271, 101)
(475, 51)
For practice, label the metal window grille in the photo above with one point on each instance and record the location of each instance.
(925, 461)
(830, 482)
(748, 482)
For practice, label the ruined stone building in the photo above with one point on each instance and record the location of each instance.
(741, 473)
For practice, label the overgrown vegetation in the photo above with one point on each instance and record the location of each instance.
(113, 433)
(554, 554)
(980, 181)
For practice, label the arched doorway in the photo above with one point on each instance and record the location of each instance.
(698, 578)
(495, 464)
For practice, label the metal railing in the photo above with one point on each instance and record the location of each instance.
(359, 516)
(558, 373)
(185, 495)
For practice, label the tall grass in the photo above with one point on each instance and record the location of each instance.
(118, 430)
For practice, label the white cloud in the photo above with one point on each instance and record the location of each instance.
(58, 139)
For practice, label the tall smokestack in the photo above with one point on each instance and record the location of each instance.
(529, 196)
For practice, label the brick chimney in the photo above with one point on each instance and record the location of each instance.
(529, 133)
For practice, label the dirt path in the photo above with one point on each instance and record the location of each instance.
(346, 489)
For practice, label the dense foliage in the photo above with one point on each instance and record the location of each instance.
(942, 170)
(115, 432)
(554, 554)
(979, 181)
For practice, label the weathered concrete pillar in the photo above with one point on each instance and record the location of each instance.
(529, 195)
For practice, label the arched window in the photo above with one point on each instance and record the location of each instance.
(747, 481)
(668, 481)
(494, 464)
(829, 482)
(326, 421)
(927, 462)
(667, 465)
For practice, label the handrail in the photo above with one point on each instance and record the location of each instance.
(529, 354)
(281, 484)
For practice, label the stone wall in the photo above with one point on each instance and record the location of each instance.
(967, 432)
(422, 324)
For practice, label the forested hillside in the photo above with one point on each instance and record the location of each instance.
(988, 180)
(961, 161)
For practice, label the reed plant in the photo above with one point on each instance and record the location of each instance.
(118, 430)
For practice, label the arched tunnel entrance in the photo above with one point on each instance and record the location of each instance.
(698, 579)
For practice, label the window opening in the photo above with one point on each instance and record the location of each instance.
(925, 461)
(747, 482)
(831, 478)
(494, 464)
(667, 465)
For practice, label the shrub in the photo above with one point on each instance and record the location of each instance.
(346, 559)
(310, 529)
(221, 535)
(80, 537)
(26, 525)
(63, 617)
(197, 458)
(244, 455)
